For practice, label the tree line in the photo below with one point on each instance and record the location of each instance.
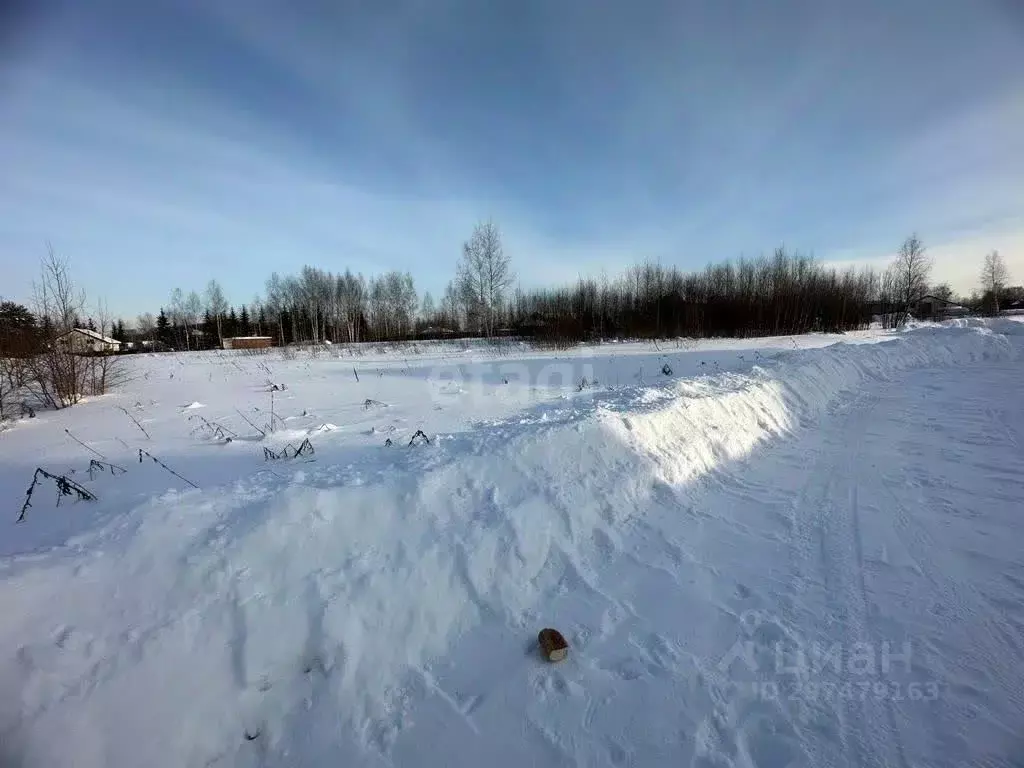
(783, 293)
(318, 305)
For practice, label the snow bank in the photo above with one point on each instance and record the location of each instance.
(717, 419)
(285, 618)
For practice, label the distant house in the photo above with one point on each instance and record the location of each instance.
(934, 308)
(83, 341)
(248, 342)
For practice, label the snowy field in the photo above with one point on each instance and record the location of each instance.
(797, 551)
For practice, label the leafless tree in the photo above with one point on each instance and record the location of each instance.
(193, 310)
(315, 289)
(13, 377)
(179, 317)
(59, 376)
(217, 306)
(909, 277)
(275, 303)
(184, 315)
(349, 305)
(450, 304)
(378, 302)
(406, 304)
(146, 324)
(428, 309)
(994, 277)
(293, 301)
(392, 302)
(57, 298)
(311, 299)
(256, 313)
(105, 370)
(8, 390)
(484, 275)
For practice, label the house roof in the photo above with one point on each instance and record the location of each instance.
(947, 302)
(95, 336)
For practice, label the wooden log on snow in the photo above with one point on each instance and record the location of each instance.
(552, 644)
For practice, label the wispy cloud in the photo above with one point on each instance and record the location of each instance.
(235, 139)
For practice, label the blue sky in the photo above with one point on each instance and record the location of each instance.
(159, 144)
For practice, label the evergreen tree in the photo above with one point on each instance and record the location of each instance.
(209, 328)
(231, 323)
(163, 327)
(18, 332)
(244, 327)
(15, 317)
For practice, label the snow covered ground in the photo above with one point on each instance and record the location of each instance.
(791, 551)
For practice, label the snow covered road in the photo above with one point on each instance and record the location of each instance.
(853, 597)
(815, 562)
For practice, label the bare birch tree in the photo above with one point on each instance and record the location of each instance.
(350, 297)
(217, 306)
(193, 311)
(484, 274)
(177, 314)
(994, 277)
(910, 274)
(428, 310)
(450, 303)
(275, 303)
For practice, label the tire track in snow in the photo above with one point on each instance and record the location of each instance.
(969, 606)
(828, 558)
(854, 461)
(836, 519)
(812, 554)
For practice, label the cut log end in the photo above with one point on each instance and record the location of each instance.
(552, 644)
(558, 654)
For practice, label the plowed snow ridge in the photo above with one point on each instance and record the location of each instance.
(302, 610)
